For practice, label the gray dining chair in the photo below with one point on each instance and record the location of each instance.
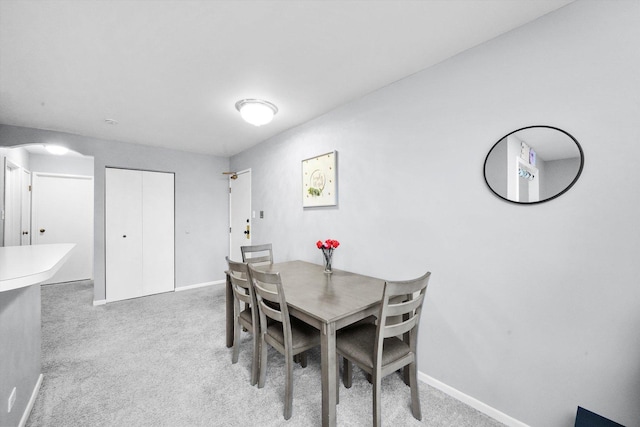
(288, 335)
(379, 350)
(257, 254)
(245, 313)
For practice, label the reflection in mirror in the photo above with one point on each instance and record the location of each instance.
(533, 164)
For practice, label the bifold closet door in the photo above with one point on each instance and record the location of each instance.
(158, 232)
(139, 233)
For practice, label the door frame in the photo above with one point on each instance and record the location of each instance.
(231, 213)
(25, 208)
(106, 237)
(12, 198)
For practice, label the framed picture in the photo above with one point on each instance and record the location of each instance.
(320, 180)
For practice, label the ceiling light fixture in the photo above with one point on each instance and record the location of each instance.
(256, 111)
(58, 150)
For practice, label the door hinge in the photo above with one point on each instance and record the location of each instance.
(229, 189)
(29, 187)
(229, 229)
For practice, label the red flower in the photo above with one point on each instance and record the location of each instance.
(328, 244)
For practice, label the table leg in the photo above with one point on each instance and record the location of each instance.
(329, 380)
(229, 311)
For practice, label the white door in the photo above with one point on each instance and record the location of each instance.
(123, 233)
(239, 213)
(139, 233)
(62, 212)
(25, 211)
(12, 204)
(158, 232)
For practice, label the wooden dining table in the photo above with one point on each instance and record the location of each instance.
(327, 302)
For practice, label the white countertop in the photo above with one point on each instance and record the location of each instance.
(22, 266)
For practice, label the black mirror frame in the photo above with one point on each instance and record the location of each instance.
(484, 168)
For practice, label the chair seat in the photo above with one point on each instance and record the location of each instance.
(246, 315)
(302, 335)
(245, 318)
(357, 344)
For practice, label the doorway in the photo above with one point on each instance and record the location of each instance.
(26, 163)
(12, 203)
(239, 213)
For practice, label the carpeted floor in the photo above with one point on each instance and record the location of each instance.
(161, 361)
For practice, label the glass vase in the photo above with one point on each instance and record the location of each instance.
(328, 253)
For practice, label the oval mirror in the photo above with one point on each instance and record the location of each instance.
(534, 164)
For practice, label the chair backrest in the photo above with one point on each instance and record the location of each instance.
(402, 300)
(271, 300)
(257, 254)
(241, 284)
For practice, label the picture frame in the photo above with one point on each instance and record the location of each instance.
(320, 180)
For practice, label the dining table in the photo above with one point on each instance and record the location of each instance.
(326, 301)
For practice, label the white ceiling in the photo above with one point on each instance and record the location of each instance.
(170, 72)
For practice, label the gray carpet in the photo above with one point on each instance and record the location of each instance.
(161, 361)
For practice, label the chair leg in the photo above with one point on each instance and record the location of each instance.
(337, 379)
(377, 413)
(263, 362)
(236, 341)
(415, 392)
(303, 359)
(288, 388)
(347, 373)
(406, 375)
(256, 357)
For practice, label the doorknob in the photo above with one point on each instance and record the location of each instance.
(42, 230)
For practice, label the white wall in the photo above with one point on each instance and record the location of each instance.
(202, 212)
(65, 165)
(532, 310)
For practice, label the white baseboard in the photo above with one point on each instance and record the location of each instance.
(199, 285)
(178, 289)
(32, 401)
(471, 401)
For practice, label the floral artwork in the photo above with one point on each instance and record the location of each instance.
(319, 186)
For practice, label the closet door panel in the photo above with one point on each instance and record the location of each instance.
(123, 234)
(158, 232)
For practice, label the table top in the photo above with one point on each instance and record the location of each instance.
(22, 266)
(339, 297)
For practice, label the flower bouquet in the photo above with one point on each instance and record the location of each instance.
(327, 250)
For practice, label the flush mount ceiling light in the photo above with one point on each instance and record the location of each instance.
(256, 111)
(58, 150)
